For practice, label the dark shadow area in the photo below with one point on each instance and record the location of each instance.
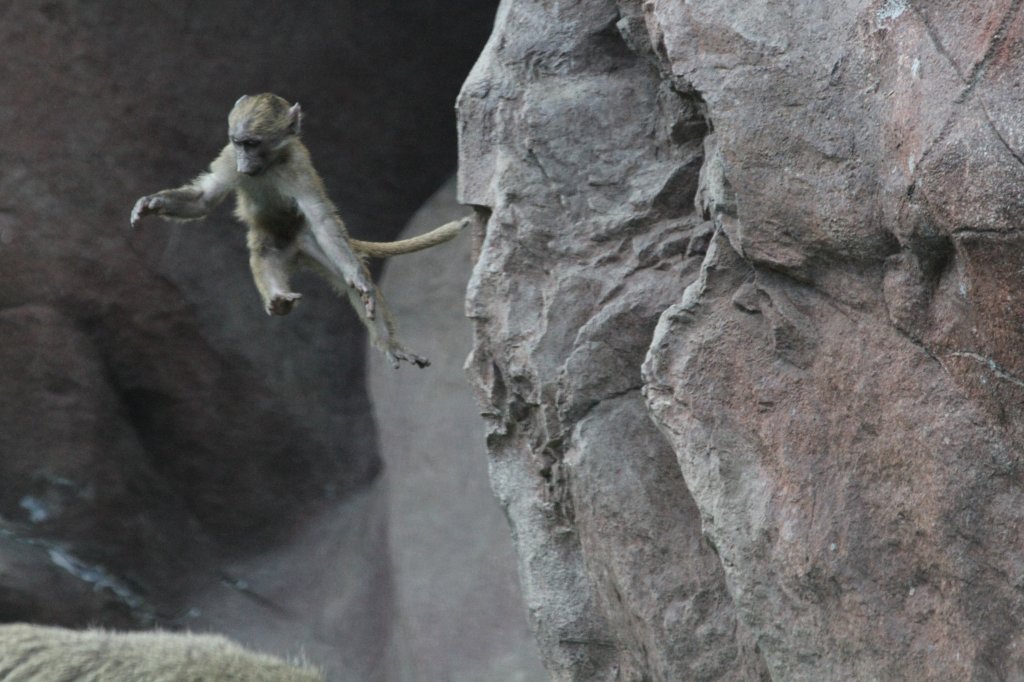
(156, 426)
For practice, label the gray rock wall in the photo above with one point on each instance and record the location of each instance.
(587, 160)
(788, 233)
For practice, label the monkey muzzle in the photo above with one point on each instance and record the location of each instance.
(249, 164)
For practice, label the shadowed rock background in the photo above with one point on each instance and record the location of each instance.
(169, 455)
(746, 335)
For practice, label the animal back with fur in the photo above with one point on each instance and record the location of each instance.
(34, 653)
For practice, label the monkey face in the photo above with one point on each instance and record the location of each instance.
(250, 155)
(259, 127)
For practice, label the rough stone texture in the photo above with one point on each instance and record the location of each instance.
(161, 439)
(459, 609)
(853, 440)
(588, 160)
(840, 384)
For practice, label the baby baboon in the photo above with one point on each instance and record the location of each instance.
(34, 653)
(291, 221)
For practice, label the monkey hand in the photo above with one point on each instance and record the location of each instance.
(365, 289)
(282, 304)
(147, 205)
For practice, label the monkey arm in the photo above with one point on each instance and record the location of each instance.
(332, 239)
(184, 203)
(194, 200)
(380, 327)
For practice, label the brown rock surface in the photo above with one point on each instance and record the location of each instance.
(587, 161)
(840, 378)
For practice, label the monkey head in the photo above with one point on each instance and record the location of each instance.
(260, 127)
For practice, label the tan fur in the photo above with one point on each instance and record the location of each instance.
(438, 235)
(33, 653)
(291, 221)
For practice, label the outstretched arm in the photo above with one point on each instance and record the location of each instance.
(193, 200)
(380, 326)
(331, 237)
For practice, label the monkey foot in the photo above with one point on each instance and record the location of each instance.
(399, 355)
(282, 304)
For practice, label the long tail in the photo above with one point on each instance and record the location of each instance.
(417, 243)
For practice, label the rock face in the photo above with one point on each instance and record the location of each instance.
(747, 331)
(588, 161)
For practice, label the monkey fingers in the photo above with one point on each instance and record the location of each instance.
(138, 211)
(366, 294)
(145, 206)
(282, 304)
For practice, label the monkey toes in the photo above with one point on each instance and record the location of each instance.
(398, 356)
(419, 360)
(282, 304)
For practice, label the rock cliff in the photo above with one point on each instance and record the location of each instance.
(748, 333)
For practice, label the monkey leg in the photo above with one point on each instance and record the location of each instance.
(270, 269)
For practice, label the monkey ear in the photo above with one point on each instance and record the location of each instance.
(241, 99)
(294, 119)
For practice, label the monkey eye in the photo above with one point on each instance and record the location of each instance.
(247, 143)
